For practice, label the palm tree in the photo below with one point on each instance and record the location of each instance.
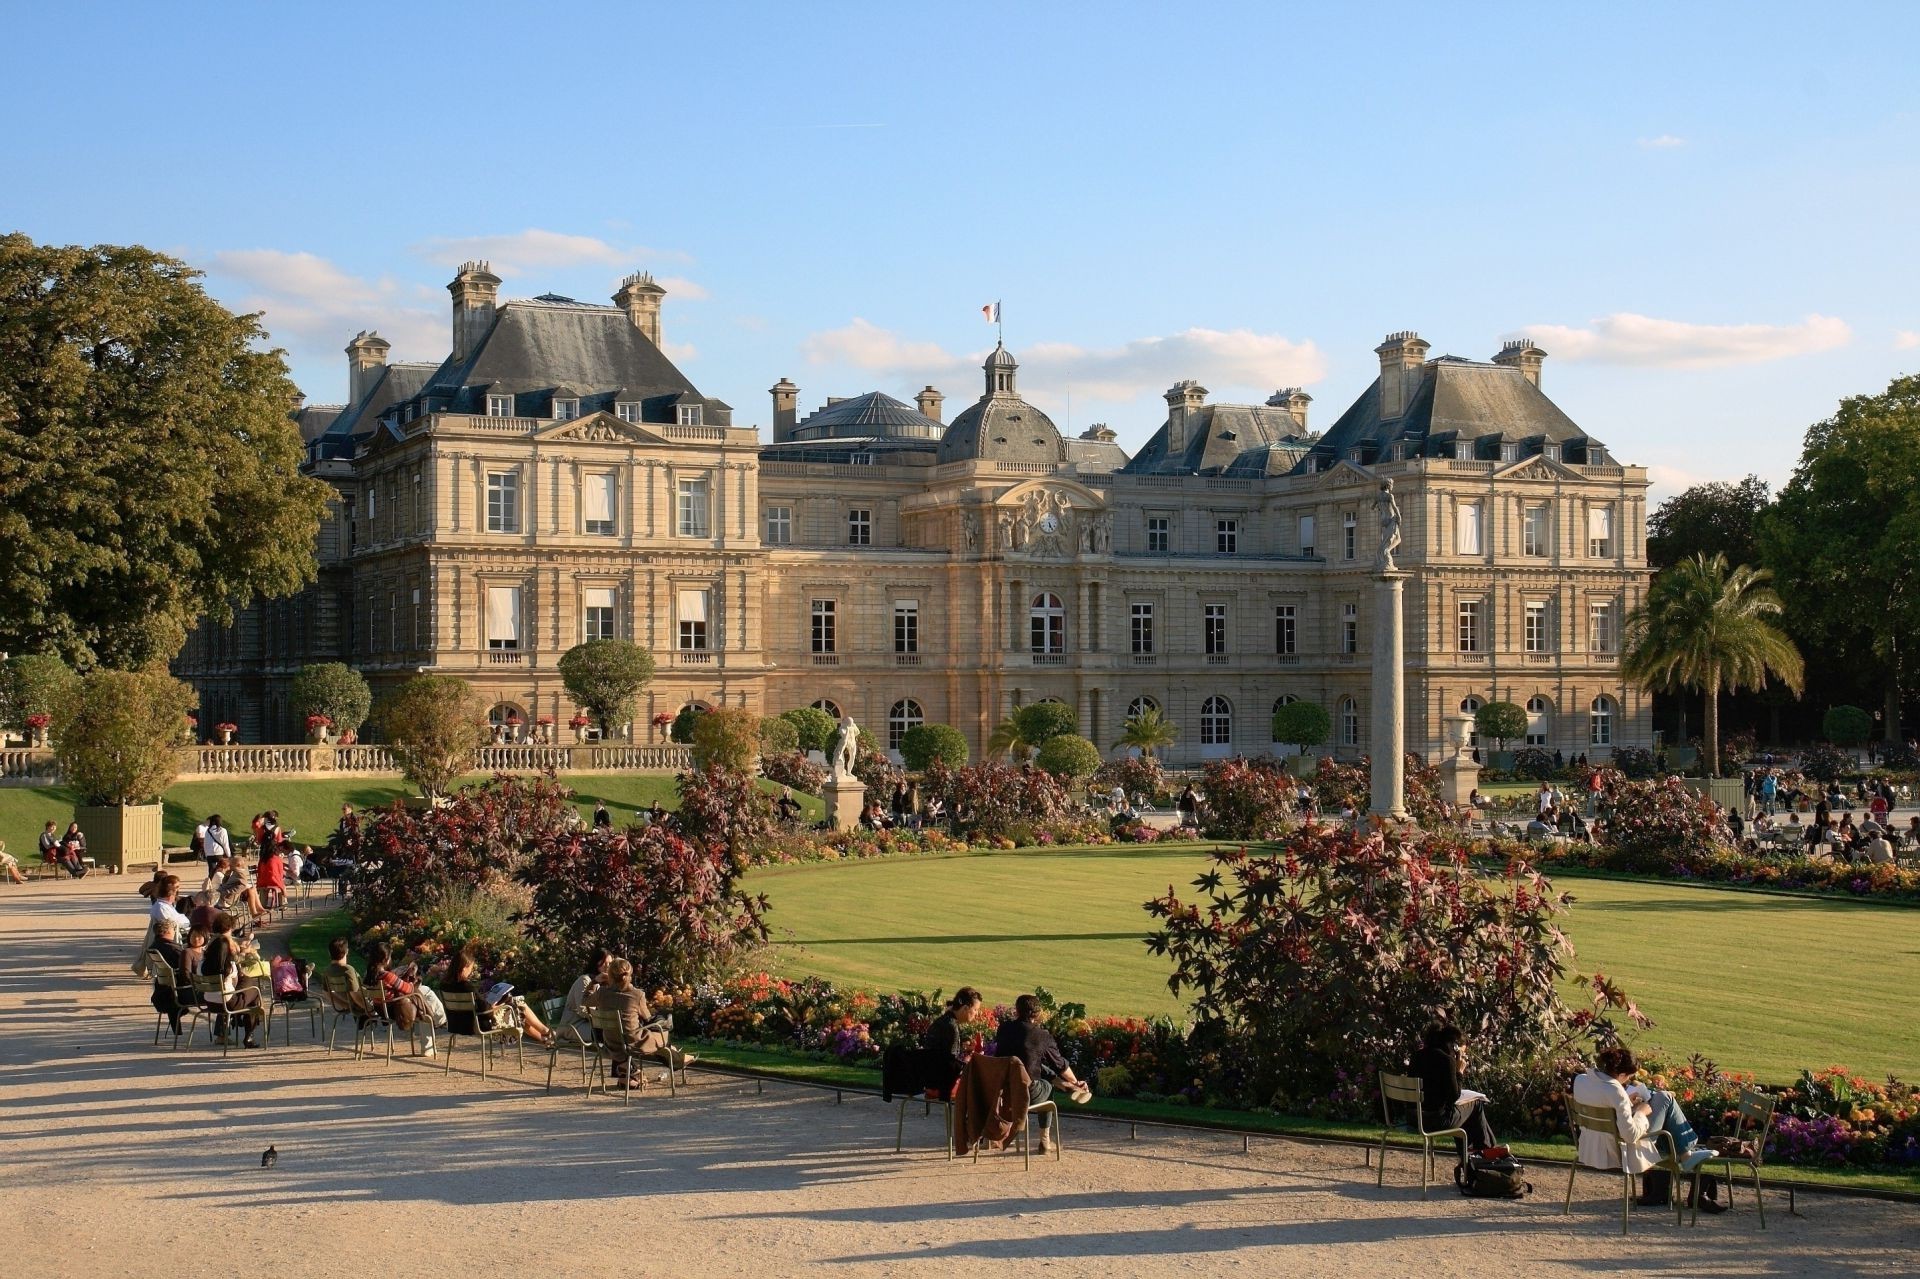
(1007, 740)
(1148, 730)
(1705, 627)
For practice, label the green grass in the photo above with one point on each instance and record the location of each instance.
(1769, 984)
(310, 808)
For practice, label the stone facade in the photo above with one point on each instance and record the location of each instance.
(556, 479)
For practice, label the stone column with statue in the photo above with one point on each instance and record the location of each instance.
(1389, 739)
(844, 793)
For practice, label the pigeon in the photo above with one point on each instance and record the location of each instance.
(269, 1157)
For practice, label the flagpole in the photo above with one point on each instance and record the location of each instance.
(999, 326)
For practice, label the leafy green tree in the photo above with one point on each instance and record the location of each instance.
(1039, 721)
(1068, 756)
(1500, 721)
(726, 737)
(1006, 739)
(1846, 725)
(778, 736)
(115, 733)
(1302, 724)
(32, 684)
(603, 677)
(684, 723)
(1148, 730)
(149, 465)
(922, 744)
(1840, 540)
(1708, 519)
(814, 726)
(335, 690)
(435, 725)
(1705, 627)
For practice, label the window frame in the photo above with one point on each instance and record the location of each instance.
(1214, 629)
(503, 501)
(823, 626)
(1286, 630)
(859, 526)
(779, 526)
(1469, 625)
(906, 626)
(693, 497)
(1140, 619)
(1046, 625)
(1216, 721)
(1226, 536)
(1159, 534)
(1536, 626)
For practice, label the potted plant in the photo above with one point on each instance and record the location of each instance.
(543, 730)
(115, 738)
(226, 730)
(513, 726)
(662, 722)
(319, 729)
(335, 693)
(191, 733)
(37, 729)
(579, 724)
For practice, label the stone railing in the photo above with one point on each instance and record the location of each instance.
(28, 766)
(20, 767)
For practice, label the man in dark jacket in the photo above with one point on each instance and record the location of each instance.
(1024, 1037)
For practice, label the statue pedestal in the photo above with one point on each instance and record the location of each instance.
(1459, 778)
(845, 799)
(1388, 747)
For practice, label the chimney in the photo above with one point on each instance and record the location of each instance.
(1293, 400)
(1184, 401)
(366, 356)
(640, 298)
(786, 409)
(1401, 356)
(929, 402)
(1522, 354)
(476, 291)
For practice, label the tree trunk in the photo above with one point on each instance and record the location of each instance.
(1710, 741)
(1891, 711)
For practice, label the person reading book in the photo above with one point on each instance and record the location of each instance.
(496, 1006)
(1446, 1102)
(1641, 1112)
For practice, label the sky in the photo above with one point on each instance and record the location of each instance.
(1705, 214)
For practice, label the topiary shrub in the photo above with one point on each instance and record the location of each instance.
(1302, 724)
(604, 676)
(1635, 762)
(778, 736)
(1534, 764)
(332, 689)
(1068, 756)
(1038, 721)
(681, 729)
(727, 737)
(814, 726)
(1501, 721)
(1846, 725)
(434, 724)
(924, 743)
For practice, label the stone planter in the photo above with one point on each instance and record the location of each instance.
(120, 836)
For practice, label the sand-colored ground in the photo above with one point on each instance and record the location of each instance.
(123, 1159)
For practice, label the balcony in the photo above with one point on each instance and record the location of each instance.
(1286, 659)
(692, 657)
(906, 659)
(826, 659)
(1145, 659)
(505, 657)
(1049, 659)
(1218, 659)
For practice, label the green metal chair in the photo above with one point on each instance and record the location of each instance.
(1409, 1091)
(1605, 1121)
(465, 1010)
(1754, 1125)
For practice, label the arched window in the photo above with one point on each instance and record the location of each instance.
(1216, 722)
(1600, 722)
(1140, 704)
(906, 713)
(1048, 619)
(1539, 720)
(829, 707)
(1470, 706)
(1283, 700)
(508, 722)
(1349, 722)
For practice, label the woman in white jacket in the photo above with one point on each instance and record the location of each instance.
(1639, 1117)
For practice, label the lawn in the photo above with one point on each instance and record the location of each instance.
(310, 808)
(1762, 983)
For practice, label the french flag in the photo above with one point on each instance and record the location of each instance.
(990, 313)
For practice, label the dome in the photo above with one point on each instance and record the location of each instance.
(870, 416)
(1003, 428)
(1001, 358)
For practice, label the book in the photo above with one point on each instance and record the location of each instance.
(1468, 1096)
(497, 992)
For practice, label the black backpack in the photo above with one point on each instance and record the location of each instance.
(1492, 1176)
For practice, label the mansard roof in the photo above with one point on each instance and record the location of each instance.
(1241, 439)
(393, 384)
(875, 415)
(1454, 400)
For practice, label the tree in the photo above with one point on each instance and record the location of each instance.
(149, 470)
(778, 736)
(1148, 730)
(1846, 726)
(1302, 724)
(1068, 756)
(1706, 627)
(1006, 739)
(435, 724)
(1040, 720)
(727, 737)
(33, 684)
(1709, 519)
(684, 723)
(922, 744)
(335, 690)
(1840, 539)
(814, 726)
(1500, 721)
(115, 733)
(604, 676)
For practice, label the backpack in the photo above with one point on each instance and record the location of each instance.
(1492, 1174)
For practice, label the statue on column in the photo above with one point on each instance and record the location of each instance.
(1389, 528)
(843, 750)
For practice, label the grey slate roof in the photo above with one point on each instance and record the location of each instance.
(1095, 455)
(314, 419)
(1002, 428)
(1457, 400)
(1238, 439)
(394, 384)
(874, 415)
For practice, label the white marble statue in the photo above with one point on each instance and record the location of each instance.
(844, 748)
(1389, 528)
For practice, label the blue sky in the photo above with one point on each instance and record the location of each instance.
(1705, 214)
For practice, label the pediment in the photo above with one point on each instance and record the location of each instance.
(1537, 467)
(1347, 475)
(598, 428)
(1068, 493)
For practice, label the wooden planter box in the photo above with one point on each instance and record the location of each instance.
(119, 837)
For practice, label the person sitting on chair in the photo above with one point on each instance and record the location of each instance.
(1024, 1037)
(166, 999)
(398, 993)
(946, 1046)
(270, 876)
(73, 851)
(1440, 1065)
(10, 864)
(644, 1037)
(221, 960)
(1640, 1113)
(463, 978)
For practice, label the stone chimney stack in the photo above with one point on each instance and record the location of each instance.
(366, 356)
(1522, 354)
(640, 298)
(786, 409)
(929, 402)
(1293, 400)
(1184, 401)
(1401, 356)
(476, 291)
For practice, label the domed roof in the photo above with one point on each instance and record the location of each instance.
(1001, 426)
(1001, 358)
(869, 416)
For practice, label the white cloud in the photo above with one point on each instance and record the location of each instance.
(534, 250)
(680, 352)
(1665, 142)
(681, 289)
(1239, 357)
(312, 306)
(1626, 338)
(1906, 340)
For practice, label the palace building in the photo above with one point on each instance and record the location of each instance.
(556, 478)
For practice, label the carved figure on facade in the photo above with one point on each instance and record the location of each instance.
(970, 529)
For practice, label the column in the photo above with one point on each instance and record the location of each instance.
(1388, 742)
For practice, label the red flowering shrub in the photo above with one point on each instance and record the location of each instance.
(1246, 799)
(791, 768)
(1336, 785)
(875, 770)
(989, 798)
(725, 810)
(1135, 774)
(1659, 824)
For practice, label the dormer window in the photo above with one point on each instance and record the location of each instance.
(499, 406)
(1509, 451)
(627, 410)
(565, 409)
(1551, 452)
(690, 415)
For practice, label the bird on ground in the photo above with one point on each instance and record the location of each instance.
(269, 1157)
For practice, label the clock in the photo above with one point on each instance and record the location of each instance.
(1049, 523)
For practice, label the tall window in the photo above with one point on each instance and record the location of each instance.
(596, 607)
(503, 617)
(1142, 621)
(903, 715)
(1539, 720)
(823, 626)
(830, 707)
(1535, 536)
(1349, 628)
(1469, 530)
(1226, 536)
(1600, 722)
(565, 409)
(1139, 704)
(693, 620)
(1349, 722)
(1159, 534)
(499, 406)
(1047, 621)
(1536, 627)
(1285, 699)
(600, 502)
(690, 415)
(693, 508)
(1600, 630)
(1306, 534)
(859, 527)
(1349, 535)
(779, 526)
(1286, 632)
(906, 626)
(1600, 531)
(1469, 626)
(1215, 629)
(1470, 707)
(503, 501)
(1216, 722)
